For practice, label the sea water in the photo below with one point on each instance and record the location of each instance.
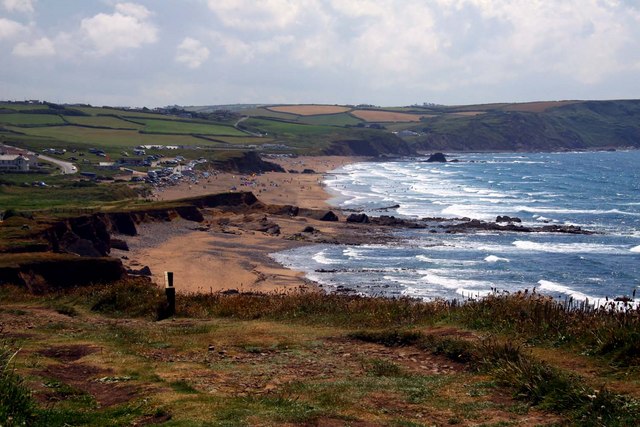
(598, 191)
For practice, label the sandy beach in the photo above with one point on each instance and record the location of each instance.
(228, 251)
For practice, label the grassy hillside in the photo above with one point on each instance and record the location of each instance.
(534, 126)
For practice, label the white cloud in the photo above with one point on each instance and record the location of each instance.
(37, 48)
(10, 29)
(25, 6)
(126, 28)
(133, 9)
(247, 51)
(258, 15)
(192, 53)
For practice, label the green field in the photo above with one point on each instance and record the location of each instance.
(342, 119)
(108, 137)
(285, 129)
(60, 194)
(96, 111)
(30, 119)
(23, 107)
(102, 121)
(172, 126)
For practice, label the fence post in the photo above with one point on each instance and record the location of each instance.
(170, 291)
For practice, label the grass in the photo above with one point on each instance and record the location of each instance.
(67, 196)
(91, 137)
(343, 119)
(30, 119)
(301, 358)
(182, 127)
(102, 121)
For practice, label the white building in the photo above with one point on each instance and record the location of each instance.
(14, 162)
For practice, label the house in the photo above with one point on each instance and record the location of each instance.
(14, 162)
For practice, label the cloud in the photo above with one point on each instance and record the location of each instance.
(126, 28)
(10, 29)
(262, 15)
(247, 51)
(25, 6)
(192, 53)
(37, 48)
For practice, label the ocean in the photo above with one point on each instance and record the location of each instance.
(598, 191)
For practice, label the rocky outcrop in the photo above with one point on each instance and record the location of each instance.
(507, 218)
(475, 224)
(360, 218)
(233, 201)
(329, 216)
(42, 272)
(248, 162)
(437, 158)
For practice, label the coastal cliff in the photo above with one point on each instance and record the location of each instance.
(570, 126)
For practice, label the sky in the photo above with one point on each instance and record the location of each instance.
(383, 52)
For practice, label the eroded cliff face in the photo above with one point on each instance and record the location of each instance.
(248, 162)
(74, 251)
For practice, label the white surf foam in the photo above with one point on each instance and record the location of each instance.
(635, 249)
(493, 258)
(321, 258)
(566, 247)
(553, 287)
(573, 211)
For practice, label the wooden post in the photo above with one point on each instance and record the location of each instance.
(170, 291)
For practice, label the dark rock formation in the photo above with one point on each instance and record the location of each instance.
(56, 271)
(358, 218)
(144, 271)
(392, 221)
(329, 216)
(506, 218)
(119, 244)
(249, 162)
(437, 157)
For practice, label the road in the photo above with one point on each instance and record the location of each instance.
(66, 168)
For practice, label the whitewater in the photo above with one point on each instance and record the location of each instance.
(598, 191)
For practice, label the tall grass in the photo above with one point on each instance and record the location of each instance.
(612, 330)
(531, 380)
(16, 405)
(608, 331)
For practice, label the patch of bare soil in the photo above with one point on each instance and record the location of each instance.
(91, 380)
(386, 116)
(68, 353)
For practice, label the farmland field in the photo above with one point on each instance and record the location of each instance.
(385, 116)
(309, 110)
(30, 119)
(237, 140)
(342, 119)
(167, 126)
(102, 121)
(285, 128)
(265, 112)
(23, 107)
(108, 137)
(94, 111)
